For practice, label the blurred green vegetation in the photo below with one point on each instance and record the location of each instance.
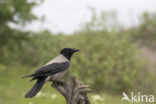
(111, 58)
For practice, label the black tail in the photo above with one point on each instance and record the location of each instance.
(32, 75)
(36, 88)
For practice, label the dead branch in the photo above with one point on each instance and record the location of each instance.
(73, 90)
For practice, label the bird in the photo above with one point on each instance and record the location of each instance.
(52, 71)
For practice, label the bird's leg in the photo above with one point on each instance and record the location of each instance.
(56, 82)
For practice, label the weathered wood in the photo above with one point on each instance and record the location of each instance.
(73, 90)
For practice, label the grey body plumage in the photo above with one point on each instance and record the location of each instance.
(53, 70)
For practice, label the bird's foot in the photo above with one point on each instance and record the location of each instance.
(56, 82)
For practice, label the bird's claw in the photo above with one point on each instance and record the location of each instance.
(60, 83)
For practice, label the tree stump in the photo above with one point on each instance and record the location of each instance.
(73, 90)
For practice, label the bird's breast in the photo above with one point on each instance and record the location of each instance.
(56, 76)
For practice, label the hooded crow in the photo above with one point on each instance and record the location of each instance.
(53, 70)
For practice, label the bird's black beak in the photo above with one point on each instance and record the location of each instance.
(75, 50)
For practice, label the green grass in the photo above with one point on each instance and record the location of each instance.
(13, 88)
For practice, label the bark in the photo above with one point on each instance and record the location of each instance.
(73, 90)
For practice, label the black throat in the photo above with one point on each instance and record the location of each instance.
(67, 55)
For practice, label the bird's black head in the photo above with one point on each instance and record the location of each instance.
(67, 52)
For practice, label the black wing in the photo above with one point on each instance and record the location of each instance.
(50, 69)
